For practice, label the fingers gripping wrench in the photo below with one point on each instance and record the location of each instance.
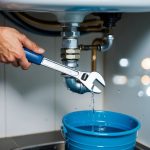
(86, 78)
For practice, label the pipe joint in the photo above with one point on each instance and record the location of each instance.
(75, 86)
(107, 43)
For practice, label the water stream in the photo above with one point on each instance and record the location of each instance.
(93, 110)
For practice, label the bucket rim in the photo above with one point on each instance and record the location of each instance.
(122, 133)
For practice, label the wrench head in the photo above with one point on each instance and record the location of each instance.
(95, 89)
(96, 76)
(90, 79)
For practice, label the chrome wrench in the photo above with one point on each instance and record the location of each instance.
(86, 78)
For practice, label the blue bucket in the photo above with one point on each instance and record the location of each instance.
(103, 130)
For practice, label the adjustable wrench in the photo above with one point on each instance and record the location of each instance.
(86, 78)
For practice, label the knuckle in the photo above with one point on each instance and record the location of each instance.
(34, 46)
(23, 37)
(19, 56)
(11, 59)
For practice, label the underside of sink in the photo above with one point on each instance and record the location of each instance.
(76, 5)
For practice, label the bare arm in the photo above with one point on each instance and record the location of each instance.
(11, 47)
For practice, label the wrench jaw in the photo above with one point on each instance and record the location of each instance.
(95, 76)
(95, 89)
(92, 87)
(89, 79)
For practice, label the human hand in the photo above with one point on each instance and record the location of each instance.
(11, 47)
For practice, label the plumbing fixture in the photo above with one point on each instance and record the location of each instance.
(99, 44)
(110, 19)
(107, 42)
(103, 45)
(71, 26)
(70, 36)
(70, 52)
(35, 22)
(94, 54)
(70, 55)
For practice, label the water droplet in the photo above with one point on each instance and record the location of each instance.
(93, 109)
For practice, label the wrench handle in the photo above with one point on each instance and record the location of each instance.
(41, 60)
(33, 57)
(59, 67)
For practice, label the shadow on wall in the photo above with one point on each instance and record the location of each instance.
(26, 81)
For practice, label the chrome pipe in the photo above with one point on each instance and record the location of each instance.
(75, 86)
(108, 41)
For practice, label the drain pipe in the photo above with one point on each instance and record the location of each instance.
(94, 53)
(102, 44)
(70, 54)
(75, 86)
(98, 44)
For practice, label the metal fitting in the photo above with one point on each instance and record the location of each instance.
(75, 86)
(69, 43)
(70, 36)
(71, 63)
(70, 32)
(108, 41)
(69, 54)
(105, 44)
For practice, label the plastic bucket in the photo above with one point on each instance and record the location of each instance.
(103, 130)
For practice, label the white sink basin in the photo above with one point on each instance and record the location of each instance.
(77, 5)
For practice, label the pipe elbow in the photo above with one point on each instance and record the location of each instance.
(75, 86)
(108, 41)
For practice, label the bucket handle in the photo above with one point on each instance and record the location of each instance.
(64, 132)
